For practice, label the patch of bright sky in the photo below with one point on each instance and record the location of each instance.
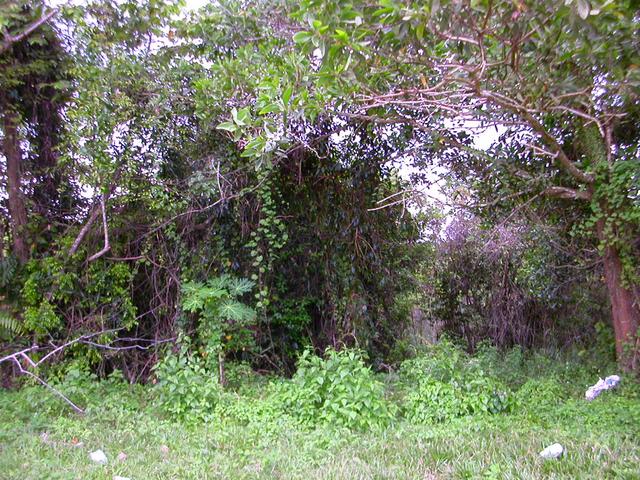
(433, 190)
(195, 4)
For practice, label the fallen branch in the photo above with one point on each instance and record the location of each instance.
(22, 356)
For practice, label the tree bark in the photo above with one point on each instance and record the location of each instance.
(17, 209)
(625, 308)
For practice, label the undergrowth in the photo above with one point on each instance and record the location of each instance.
(444, 414)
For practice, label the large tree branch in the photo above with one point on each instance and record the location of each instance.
(569, 193)
(526, 114)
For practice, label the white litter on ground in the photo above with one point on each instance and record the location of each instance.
(98, 457)
(608, 383)
(552, 451)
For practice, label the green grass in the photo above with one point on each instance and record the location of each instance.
(602, 439)
(250, 435)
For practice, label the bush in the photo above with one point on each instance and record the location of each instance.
(338, 389)
(445, 383)
(539, 394)
(185, 389)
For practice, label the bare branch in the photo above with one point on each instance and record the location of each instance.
(85, 230)
(75, 407)
(22, 355)
(107, 246)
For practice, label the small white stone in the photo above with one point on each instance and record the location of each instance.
(98, 457)
(552, 451)
(118, 477)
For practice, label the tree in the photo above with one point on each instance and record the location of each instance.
(32, 85)
(562, 78)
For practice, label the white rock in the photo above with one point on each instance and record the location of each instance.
(118, 477)
(552, 451)
(98, 457)
(612, 381)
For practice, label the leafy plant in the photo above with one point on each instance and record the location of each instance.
(185, 388)
(338, 389)
(444, 384)
(223, 318)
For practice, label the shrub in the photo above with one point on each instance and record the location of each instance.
(436, 401)
(445, 383)
(338, 389)
(185, 389)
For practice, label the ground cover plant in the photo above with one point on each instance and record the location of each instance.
(265, 427)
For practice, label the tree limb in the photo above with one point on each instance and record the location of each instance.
(107, 246)
(9, 40)
(569, 193)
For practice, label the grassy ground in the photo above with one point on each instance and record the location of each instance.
(253, 437)
(601, 438)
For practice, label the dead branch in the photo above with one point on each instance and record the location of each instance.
(22, 356)
(84, 230)
(107, 246)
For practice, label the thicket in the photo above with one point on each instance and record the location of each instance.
(442, 384)
(178, 198)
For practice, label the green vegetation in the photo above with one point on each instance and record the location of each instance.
(260, 428)
(319, 238)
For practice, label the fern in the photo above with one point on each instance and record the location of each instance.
(9, 325)
(8, 267)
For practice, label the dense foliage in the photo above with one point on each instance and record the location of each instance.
(190, 194)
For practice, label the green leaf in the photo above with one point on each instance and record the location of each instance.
(235, 311)
(240, 286)
(302, 37)
(286, 95)
(271, 108)
(228, 126)
(341, 35)
(241, 117)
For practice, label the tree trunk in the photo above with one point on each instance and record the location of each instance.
(17, 210)
(625, 308)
